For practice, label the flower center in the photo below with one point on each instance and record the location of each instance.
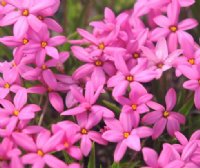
(40, 153)
(25, 12)
(165, 114)
(40, 17)
(134, 107)
(98, 63)
(173, 28)
(49, 89)
(101, 46)
(126, 134)
(14, 64)
(44, 67)
(136, 55)
(84, 131)
(25, 41)
(3, 3)
(66, 144)
(160, 65)
(191, 61)
(43, 44)
(130, 78)
(16, 112)
(7, 86)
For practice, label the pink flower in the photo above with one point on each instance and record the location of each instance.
(25, 16)
(12, 113)
(41, 44)
(125, 77)
(135, 105)
(169, 26)
(121, 132)
(84, 132)
(39, 150)
(87, 103)
(192, 73)
(160, 57)
(163, 117)
(69, 139)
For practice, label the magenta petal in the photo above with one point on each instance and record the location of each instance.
(191, 84)
(189, 150)
(157, 33)
(113, 136)
(170, 99)
(10, 18)
(144, 132)
(86, 145)
(53, 25)
(50, 79)
(187, 24)
(133, 142)
(150, 157)
(120, 151)
(96, 137)
(30, 158)
(121, 65)
(56, 101)
(152, 117)
(172, 126)
(75, 152)
(39, 163)
(197, 98)
(83, 71)
(54, 162)
(120, 89)
(24, 141)
(20, 99)
(20, 27)
(74, 111)
(162, 21)
(57, 40)
(158, 128)
(52, 51)
(35, 23)
(88, 36)
(181, 138)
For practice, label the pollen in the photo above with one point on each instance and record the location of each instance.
(101, 46)
(134, 107)
(40, 153)
(130, 78)
(165, 114)
(43, 44)
(14, 64)
(126, 134)
(16, 112)
(160, 65)
(173, 28)
(40, 17)
(136, 55)
(66, 144)
(25, 12)
(25, 41)
(191, 61)
(49, 89)
(44, 67)
(84, 131)
(3, 3)
(7, 86)
(98, 63)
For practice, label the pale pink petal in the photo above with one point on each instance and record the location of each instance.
(150, 157)
(20, 99)
(113, 136)
(54, 162)
(170, 99)
(35, 23)
(172, 126)
(187, 24)
(20, 27)
(86, 145)
(96, 137)
(158, 128)
(56, 101)
(133, 142)
(120, 151)
(52, 51)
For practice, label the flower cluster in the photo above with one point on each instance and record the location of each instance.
(121, 58)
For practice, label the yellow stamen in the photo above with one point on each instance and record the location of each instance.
(44, 67)
(134, 107)
(165, 114)
(101, 46)
(16, 113)
(40, 153)
(173, 28)
(66, 144)
(160, 65)
(136, 55)
(7, 86)
(25, 41)
(126, 134)
(191, 61)
(98, 63)
(41, 17)
(84, 131)
(43, 44)
(3, 3)
(14, 64)
(25, 12)
(130, 78)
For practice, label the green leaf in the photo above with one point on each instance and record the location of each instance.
(115, 165)
(186, 108)
(111, 106)
(92, 159)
